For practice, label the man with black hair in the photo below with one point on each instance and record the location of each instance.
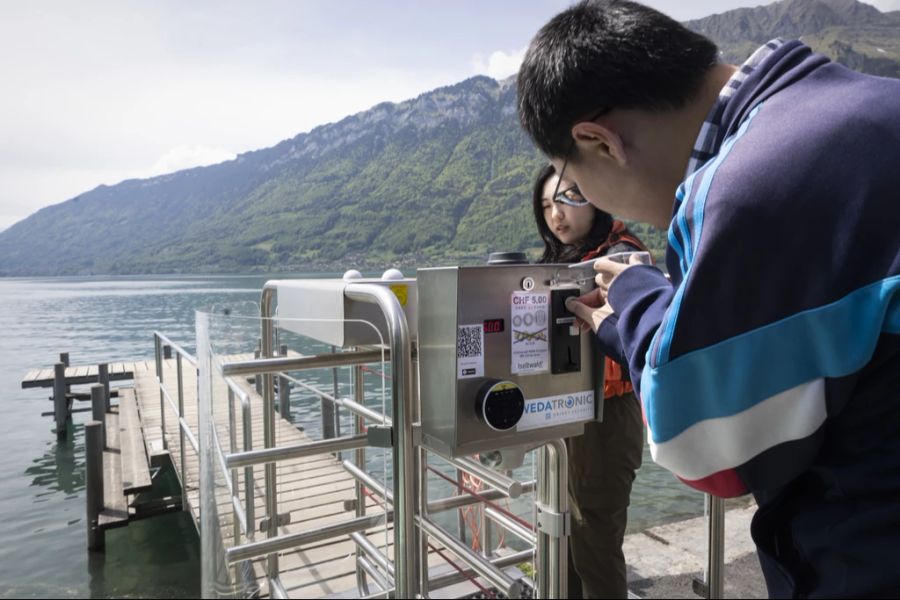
(770, 363)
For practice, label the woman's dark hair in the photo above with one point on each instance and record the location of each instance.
(554, 250)
(606, 54)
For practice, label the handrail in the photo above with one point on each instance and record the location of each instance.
(351, 405)
(512, 588)
(266, 456)
(168, 342)
(500, 482)
(403, 454)
(523, 533)
(370, 482)
(249, 488)
(181, 422)
(367, 566)
(452, 502)
(301, 363)
(374, 553)
(235, 501)
(289, 541)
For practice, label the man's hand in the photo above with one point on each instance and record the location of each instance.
(608, 270)
(591, 309)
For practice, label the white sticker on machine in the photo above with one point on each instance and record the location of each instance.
(470, 351)
(557, 410)
(529, 333)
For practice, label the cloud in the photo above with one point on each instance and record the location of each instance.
(499, 64)
(187, 156)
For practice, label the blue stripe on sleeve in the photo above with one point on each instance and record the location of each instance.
(722, 380)
(686, 236)
(680, 195)
(706, 177)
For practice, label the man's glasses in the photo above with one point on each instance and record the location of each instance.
(572, 195)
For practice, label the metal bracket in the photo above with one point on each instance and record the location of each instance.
(350, 505)
(417, 434)
(554, 524)
(283, 519)
(380, 436)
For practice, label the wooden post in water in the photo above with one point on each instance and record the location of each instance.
(103, 378)
(93, 452)
(98, 409)
(284, 389)
(64, 359)
(60, 404)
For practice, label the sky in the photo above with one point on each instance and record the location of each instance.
(96, 92)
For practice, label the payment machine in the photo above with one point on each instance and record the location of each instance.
(501, 362)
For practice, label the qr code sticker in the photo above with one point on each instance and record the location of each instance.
(468, 341)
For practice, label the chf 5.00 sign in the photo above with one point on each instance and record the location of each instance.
(529, 332)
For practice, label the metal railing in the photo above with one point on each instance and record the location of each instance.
(407, 573)
(162, 345)
(405, 502)
(243, 515)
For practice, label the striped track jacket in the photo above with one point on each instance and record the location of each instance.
(771, 362)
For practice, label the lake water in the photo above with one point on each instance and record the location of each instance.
(42, 505)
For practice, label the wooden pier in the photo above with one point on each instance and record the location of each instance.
(142, 434)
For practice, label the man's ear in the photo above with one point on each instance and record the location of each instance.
(599, 138)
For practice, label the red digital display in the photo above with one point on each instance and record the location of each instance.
(493, 325)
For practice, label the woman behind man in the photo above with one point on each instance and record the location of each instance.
(603, 461)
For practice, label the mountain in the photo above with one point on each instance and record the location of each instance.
(442, 178)
(442, 175)
(850, 32)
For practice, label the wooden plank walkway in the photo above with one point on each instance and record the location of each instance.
(312, 490)
(126, 470)
(79, 375)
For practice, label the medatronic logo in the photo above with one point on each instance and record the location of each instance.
(560, 403)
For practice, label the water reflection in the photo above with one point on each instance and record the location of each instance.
(61, 468)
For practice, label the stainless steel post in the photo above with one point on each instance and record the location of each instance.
(249, 491)
(359, 395)
(486, 533)
(162, 396)
(268, 394)
(327, 409)
(184, 495)
(284, 389)
(716, 568)
(403, 459)
(232, 448)
(460, 518)
(553, 521)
